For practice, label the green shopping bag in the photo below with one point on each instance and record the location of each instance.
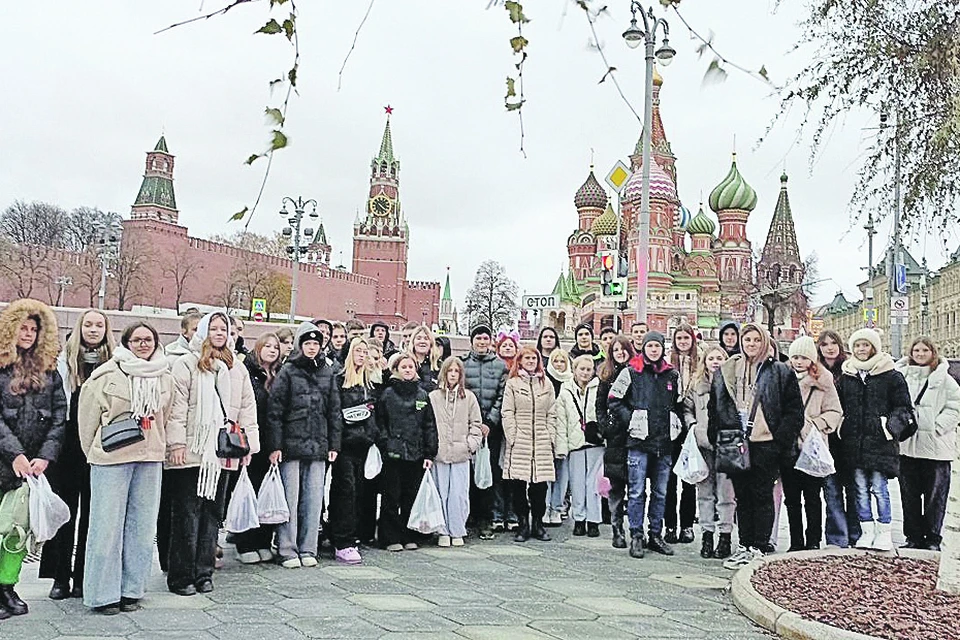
(15, 519)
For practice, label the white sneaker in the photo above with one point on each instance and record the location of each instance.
(457, 542)
(883, 540)
(740, 558)
(755, 554)
(869, 532)
(555, 518)
(443, 541)
(291, 563)
(308, 561)
(249, 557)
(266, 555)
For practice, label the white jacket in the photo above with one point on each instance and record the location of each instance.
(570, 433)
(937, 414)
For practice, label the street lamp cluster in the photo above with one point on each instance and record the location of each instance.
(107, 241)
(298, 239)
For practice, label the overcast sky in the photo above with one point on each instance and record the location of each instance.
(89, 88)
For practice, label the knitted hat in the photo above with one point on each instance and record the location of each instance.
(653, 336)
(804, 346)
(480, 329)
(313, 334)
(585, 325)
(869, 335)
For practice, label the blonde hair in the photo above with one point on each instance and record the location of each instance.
(702, 375)
(209, 353)
(76, 372)
(352, 376)
(435, 355)
(560, 354)
(583, 359)
(453, 362)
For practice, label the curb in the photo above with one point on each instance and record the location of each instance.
(788, 624)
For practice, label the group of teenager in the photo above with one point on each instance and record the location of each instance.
(586, 434)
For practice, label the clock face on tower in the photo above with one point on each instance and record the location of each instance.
(380, 206)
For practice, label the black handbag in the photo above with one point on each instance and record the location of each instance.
(733, 445)
(591, 430)
(120, 433)
(232, 440)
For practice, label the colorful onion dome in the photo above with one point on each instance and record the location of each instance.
(591, 194)
(683, 217)
(733, 192)
(661, 185)
(605, 224)
(701, 224)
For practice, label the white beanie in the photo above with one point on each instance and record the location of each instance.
(804, 346)
(869, 335)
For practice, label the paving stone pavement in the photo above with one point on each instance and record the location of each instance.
(570, 588)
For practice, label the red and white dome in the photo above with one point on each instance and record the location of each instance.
(661, 185)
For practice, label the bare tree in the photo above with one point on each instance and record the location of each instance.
(84, 228)
(31, 237)
(131, 269)
(492, 300)
(86, 274)
(275, 245)
(181, 267)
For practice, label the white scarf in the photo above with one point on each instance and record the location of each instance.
(144, 376)
(212, 391)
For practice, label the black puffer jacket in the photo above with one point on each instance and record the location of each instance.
(303, 411)
(408, 429)
(779, 398)
(32, 424)
(258, 379)
(357, 436)
(864, 443)
(428, 376)
(649, 386)
(486, 376)
(615, 440)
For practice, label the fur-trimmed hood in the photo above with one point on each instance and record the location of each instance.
(48, 341)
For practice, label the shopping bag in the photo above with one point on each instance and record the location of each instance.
(272, 501)
(691, 467)
(242, 510)
(482, 470)
(426, 516)
(15, 534)
(373, 464)
(47, 511)
(603, 486)
(815, 459)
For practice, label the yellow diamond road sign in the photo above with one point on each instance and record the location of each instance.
(618, 176)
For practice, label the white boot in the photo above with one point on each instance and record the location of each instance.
(869, 529)
(883, 541)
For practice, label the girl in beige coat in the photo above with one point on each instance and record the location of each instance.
(124, 482)
(822, 413)
(458, 418)
(529, 430)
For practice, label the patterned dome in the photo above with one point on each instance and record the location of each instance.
(661, 185)
(591, 194)
(682, 219)
(701, 224)
(733, 192)
(606, 224)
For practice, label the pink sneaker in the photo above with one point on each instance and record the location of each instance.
(350, 555)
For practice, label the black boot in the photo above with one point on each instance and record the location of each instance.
(539, 531)
(671, 536)
(655, 542)
(724, 547)
(619, 542)
(523, 533)
(11, 601)
(579, 528)
(4, 614)
(686, 535)
(636, 545)
(593, 530)
(59, 590)
(706, 549)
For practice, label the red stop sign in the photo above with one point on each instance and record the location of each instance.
(258, 317)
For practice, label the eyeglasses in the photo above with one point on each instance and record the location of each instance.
(141, 342)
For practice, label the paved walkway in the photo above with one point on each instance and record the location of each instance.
(571, 588)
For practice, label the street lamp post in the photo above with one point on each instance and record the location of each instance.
(633, 37)
(108, 245)
(298, 240)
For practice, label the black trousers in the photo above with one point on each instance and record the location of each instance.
(367, 516)
(536, 493)
(924, 486)
(496, 502)
(344, 509)
(688, 497)
(163, 523)
(70, 479)
(801, 494)
(194, 526)
(261, 537)
(400, 481)
(754, 493)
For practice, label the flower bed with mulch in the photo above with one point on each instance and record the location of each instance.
(887, 597)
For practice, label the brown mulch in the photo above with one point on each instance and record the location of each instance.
(886, 597)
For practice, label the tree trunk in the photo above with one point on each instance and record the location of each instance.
(949, 576)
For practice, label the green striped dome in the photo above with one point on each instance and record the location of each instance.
(733, 192)
(701, 224)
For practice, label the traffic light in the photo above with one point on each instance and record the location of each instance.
(623, 267)
(608, 264)
(613, 272)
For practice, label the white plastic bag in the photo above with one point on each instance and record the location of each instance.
(373, 464)
(426, 516)
(242, 510)
(482, 471)
(691, 467)
(47, 511)
(815, 459)
(272, 501)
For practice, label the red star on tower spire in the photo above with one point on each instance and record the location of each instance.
(388, 109)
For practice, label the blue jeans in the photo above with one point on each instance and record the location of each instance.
(873, 483)
(557, 490)
(641, 467)
(124, 501)
(842, 526)
(303, 486)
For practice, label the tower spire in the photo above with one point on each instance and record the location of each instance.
(386, 144)
(156, 199)
(446, 287)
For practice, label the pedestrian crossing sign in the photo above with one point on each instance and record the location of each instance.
(259, 305)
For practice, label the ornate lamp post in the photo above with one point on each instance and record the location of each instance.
(299, 240)
(108, 249)
(634, 36)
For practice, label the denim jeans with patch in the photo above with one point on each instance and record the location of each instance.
(641, 467)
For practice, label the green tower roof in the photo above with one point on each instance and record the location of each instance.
(733, 192)
(446, 287)
(386, 145)
(701, 224)
(161, 145)
(560, 288)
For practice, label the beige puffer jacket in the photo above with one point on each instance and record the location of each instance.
(458, 426)
(821, 404)
(242, 409)
(695, 413)
(529, 429)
